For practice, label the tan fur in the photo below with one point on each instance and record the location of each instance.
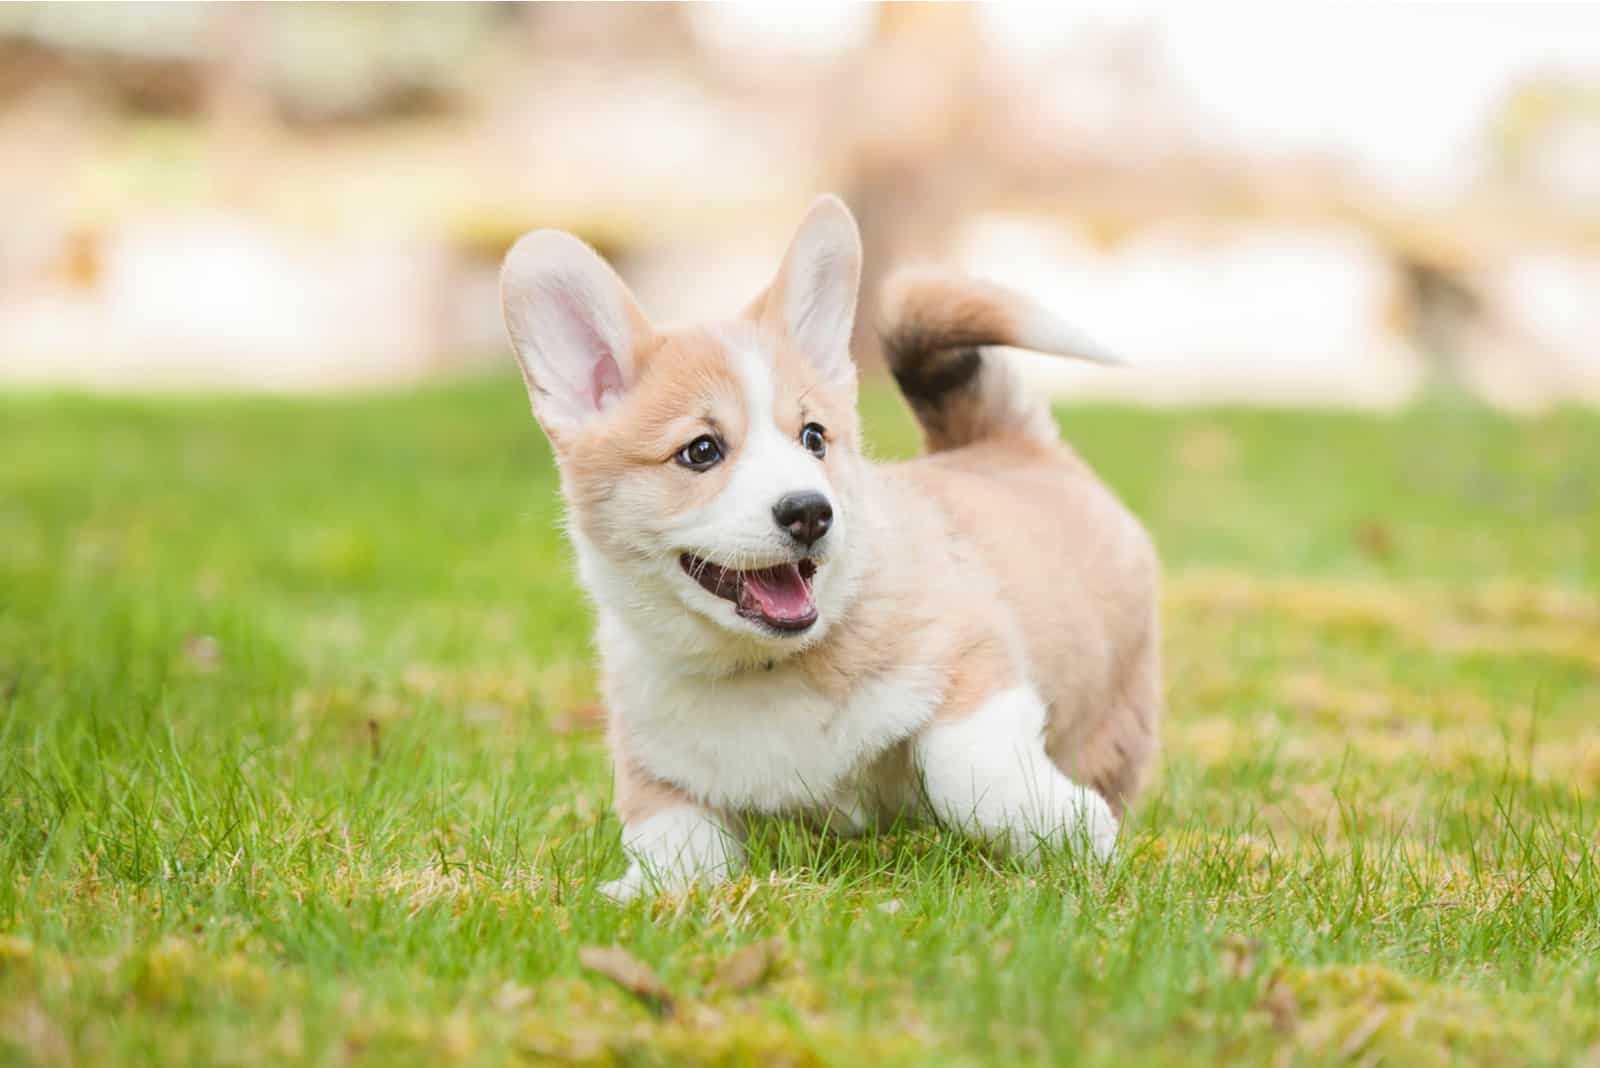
(684, 388)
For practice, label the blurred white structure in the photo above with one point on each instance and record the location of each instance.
(1541, 345)
(219, 302)
(1258, 314)
(1400, 91)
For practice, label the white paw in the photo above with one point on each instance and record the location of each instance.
(673, 851)
(636, 882)
(989, 774)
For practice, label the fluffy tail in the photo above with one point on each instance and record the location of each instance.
(937, 330)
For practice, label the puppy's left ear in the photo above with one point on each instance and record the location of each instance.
(813, 299)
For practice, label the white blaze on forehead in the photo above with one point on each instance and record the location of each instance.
(753, 366)
(770, 453)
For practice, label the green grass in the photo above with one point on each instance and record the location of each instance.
(298, 764)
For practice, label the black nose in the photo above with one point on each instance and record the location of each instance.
(806, 516)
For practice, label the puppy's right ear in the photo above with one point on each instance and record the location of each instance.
(574, 326)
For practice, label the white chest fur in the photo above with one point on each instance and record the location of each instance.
(766, 741)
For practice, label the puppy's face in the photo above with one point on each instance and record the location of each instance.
(712, 473)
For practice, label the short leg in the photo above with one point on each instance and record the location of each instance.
(986, 773)
(1112, 750)
(672, 841)
(674, 849)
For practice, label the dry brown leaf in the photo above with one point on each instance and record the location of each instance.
(1282, 1006)
(628, 972)
(1375, 539)
(748, 967)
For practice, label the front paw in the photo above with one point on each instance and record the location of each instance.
(636, 882)
(673, 851)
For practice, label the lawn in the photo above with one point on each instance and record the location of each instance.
(299, 763)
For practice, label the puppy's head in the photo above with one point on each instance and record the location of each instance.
(711, 472)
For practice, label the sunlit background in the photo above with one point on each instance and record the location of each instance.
(1352, 206)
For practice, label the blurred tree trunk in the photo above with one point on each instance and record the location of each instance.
(913, 154)
(239, 118)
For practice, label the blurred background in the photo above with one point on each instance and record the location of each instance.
(1347, 206)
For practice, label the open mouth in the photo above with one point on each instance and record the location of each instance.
(779, 597)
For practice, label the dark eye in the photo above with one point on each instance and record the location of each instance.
(701, 453)
(812, 440)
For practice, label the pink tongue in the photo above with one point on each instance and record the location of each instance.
(778, 592)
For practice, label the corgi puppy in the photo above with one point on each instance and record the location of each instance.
(970, 637)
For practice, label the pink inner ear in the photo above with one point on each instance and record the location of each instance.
(607, 379)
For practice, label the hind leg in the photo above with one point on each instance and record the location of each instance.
(1112, 752)
(987, 774)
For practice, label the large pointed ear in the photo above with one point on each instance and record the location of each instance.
(813, 299)
(574, 326)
